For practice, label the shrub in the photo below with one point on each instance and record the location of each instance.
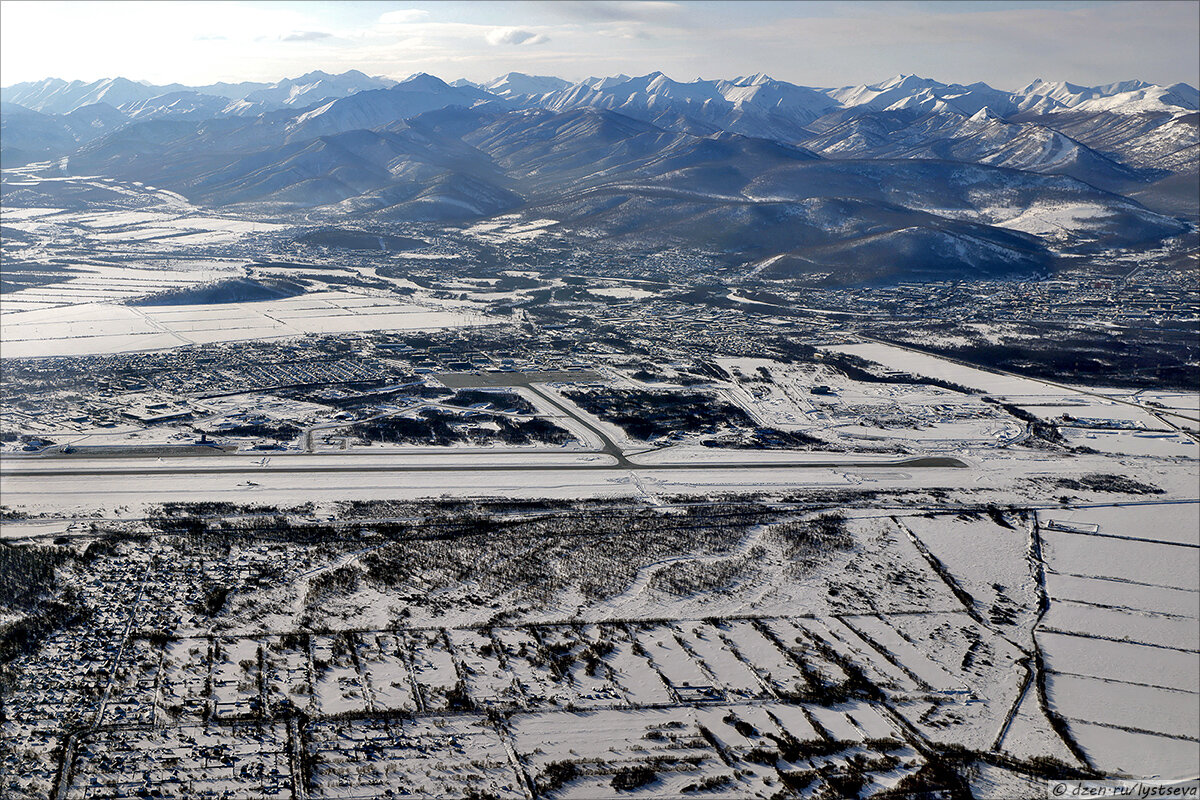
(627, 779)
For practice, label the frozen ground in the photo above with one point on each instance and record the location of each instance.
(105, 328)
(1119, 638)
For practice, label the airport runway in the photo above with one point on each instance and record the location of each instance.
(64, 467)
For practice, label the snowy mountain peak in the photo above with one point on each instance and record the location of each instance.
(757, 79)
(911, 82)
(422, 80)
(983, 115)
(516, 84)
(606, 83)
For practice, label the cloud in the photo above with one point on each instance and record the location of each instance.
(626, 32)
(618, 10)
(515, 36)
(211, 37)
(403, 16)
(304, 36)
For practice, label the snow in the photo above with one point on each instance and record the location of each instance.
(487, 682)
(1120, 661)
(1178, 633)
(917, 363)
(537, 682)
(623, 292)
(1030, 733)
(432, 667)
(675, 665)
(635, 676)
(106, 328)
(1144, 562)
(1127, 705)
(1123, 594)
(763, 656)
(1166, 521)
(730, 672)
(610, 739)
(338, 687)
(386, 673)
(1049, 217)
(1137, 755)
(901, 651)
(982, 556)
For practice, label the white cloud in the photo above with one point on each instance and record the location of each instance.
(618, 10)
(304, 36)
(403, 16)
(498, 36)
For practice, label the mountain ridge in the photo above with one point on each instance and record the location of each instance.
(907, 176)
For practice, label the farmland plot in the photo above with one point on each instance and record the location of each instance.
(433, 668)
(1174, 522)
(286, 675)
(733, 675)
(1137, 754)
(385, 672)
(1159, 630)
(1145, 443)
(1120, 640)
(1124, 595)
(1120, 661)
(667, 744)
(632, 671)
(916, 363)
(235, 678)
(820, 665)
(1142, 708)
(337, 687)
(104, 328)
(1030, 734)
(774, 667)
(681, 672)
(1078, 553)
(487, 681)
(987, 560)
(930, 675)
(445, 758)
(852, 648)
(536, 678)
(851, 721)
(984, 671)
(591, 679)
(886, 556)
(183, 678)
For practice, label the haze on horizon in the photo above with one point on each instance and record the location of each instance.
(1005, 44)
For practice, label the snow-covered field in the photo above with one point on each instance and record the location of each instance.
(105, 328)
(1121, 639)
(1146, 443)
(106, 283)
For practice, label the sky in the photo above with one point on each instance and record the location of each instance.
(817, 43)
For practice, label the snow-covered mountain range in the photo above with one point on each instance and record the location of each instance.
(908, 169)
(648, 94)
